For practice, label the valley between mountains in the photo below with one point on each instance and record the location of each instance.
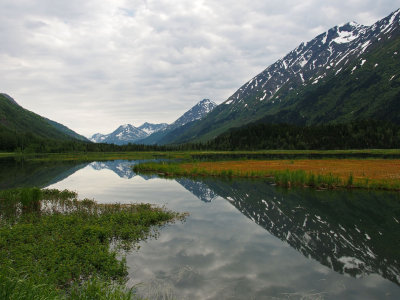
(349, 74)
(289, 188)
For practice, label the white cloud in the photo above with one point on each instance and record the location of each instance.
(93, 65)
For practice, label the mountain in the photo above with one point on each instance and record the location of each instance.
(20, 127)
(197, 112)
(9, 98)
(124, 134)
(98, 138)
(149, 133)
(348, 73)
(187, 120)
(66, 130)
(128, 133)
(150, 128)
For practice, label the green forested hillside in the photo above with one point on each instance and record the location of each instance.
(20, 128)
(66, 130)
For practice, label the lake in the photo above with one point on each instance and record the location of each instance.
(243, 239)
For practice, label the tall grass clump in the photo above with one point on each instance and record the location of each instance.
(350, 180)
(301, 178)
(55, 246)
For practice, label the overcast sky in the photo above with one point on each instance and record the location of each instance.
(93, 65)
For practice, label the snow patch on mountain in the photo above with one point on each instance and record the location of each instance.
(345, 37)
(328, 53)
(150, 128)
(197, 112)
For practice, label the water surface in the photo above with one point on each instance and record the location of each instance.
(247, 239)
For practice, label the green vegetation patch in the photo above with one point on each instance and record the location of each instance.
(55, 246)
(285, 178)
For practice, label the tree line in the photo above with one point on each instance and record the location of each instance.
(363, 134)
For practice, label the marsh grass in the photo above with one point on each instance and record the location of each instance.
(285, 177)
(55, 246)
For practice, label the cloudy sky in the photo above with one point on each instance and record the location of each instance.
(94, 65)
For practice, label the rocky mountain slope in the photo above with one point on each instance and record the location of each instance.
(347, 73)
(150, 128)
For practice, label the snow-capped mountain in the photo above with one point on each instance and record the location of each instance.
(124, 134)
(339, 53)
(310, 62)
(149, 133)
(197, 112)
(128, 133)
(98, 138)
(150, 128)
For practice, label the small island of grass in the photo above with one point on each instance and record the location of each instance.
(53, 246)
(318, 173)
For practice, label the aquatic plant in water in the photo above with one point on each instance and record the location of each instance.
(55, 246)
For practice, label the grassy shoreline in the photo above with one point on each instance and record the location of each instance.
(303, 173)
(203, 155)
(53, 246)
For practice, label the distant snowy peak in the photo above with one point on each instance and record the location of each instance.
(124, 134)
(200, 110)
(328, 53)
(97, 138)
(150, 128)
(128, 133)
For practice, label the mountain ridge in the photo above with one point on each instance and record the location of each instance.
(124, 134)
(149, 133)
(273, 92)
(194, 114)
(16, 120)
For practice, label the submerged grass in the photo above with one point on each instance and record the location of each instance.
(53, 246)
(343, 173)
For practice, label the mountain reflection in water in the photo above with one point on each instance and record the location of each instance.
(352, 232)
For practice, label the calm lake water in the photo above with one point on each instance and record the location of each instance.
(244, 239)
